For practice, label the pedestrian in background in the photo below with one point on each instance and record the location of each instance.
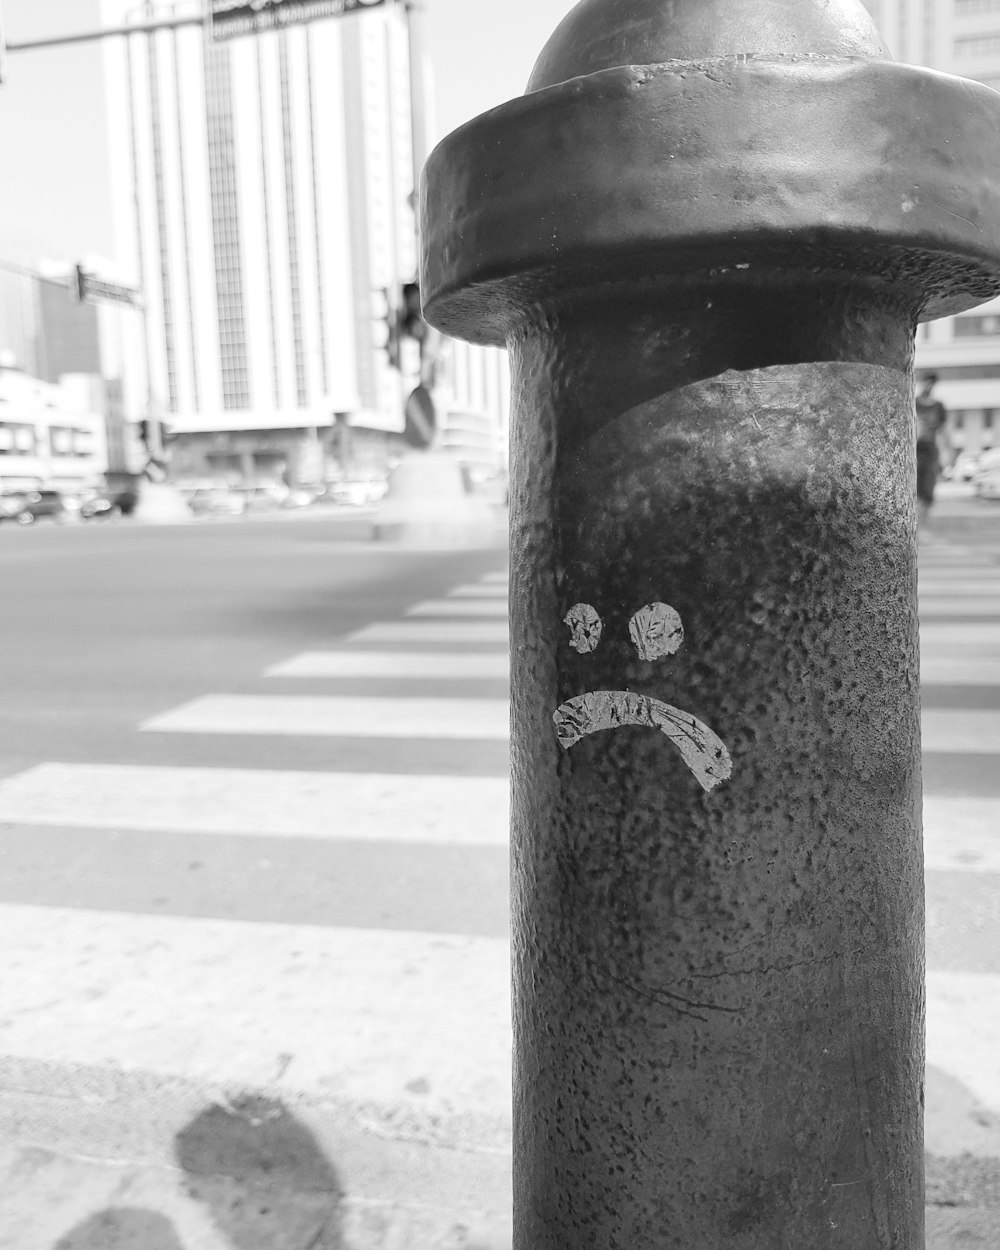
(932, 417)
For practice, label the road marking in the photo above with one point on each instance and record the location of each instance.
(322, 715)
(495, 579)
(460, 607)
(394, 664)
(961, 835)
(959, 605)
(960, 732)
(953, 670)
(485, 591)
(963, 1030)
(353, 1015)
(982, 639)
(362, 807)
(409, 632)
(957, 586)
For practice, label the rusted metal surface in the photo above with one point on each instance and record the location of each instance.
(708, 272)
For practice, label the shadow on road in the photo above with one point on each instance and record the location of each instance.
(257, 1171)
(122, 1228)
(262, 1176)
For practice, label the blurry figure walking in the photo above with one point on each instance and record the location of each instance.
(932, 417)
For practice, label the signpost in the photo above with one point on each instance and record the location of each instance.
(229, 19)
(90, 289)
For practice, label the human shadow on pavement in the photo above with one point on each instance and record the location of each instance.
(262, 1176)
(122, 1228)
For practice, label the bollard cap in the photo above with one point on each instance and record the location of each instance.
(814, 157)
(603, 34)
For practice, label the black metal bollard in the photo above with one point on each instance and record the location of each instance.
(706, 236)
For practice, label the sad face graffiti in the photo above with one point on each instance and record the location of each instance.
(656, 632)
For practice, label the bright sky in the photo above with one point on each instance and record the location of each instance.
(52, 144)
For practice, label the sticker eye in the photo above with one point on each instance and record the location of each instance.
(585, 626)
(656, 631)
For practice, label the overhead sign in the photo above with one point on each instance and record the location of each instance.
(232, 18)
(89, 288)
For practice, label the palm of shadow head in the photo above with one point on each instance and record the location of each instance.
(262, 1175)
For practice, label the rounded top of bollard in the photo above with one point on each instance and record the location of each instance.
(602, 34)
(813, 161)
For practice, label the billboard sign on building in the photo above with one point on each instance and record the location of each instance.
(232, 18)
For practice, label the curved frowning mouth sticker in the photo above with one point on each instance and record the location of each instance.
(656, 632)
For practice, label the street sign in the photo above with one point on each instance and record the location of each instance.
(90, 289)
(421, 419)
(231, 18)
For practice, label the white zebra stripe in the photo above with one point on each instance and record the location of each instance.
(960, 731)
(934, 586)
(462, 665)
(960, 834)
(478, 591)
(407, 633)
(356, 1015)
(965, 639)
(460, 607)
(959, 605)
(955, 670)
(332, 716)
(366, 807)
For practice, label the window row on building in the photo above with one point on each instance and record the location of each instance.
(26, 439)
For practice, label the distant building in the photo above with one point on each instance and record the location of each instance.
(45, 330)
(47, 335)
(263, 197)
(50, 438)
(959, 37)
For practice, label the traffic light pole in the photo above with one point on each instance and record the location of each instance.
(706, 237)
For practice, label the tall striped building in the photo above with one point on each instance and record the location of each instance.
(959, 37)
(263, 194)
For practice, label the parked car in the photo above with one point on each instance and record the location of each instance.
(262, 496)
(103, 507)
(358, 492)
(26, 507)
(964, 467)
(216, 501)
(988, 483)
(300, 497)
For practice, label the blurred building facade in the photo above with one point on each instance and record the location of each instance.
(47, 335)
(51, 435)
(958, 37)
(263, 192)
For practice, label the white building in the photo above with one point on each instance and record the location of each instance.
(50, 438)
(263, 196)
(959, 37)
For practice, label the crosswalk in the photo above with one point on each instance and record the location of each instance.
(960, 687)
(255, 966)
(336, 940)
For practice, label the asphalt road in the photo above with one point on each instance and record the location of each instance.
(211, 880)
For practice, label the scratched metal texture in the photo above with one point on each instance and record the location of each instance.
(718, 998)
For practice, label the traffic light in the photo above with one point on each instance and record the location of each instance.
(390, 319)
(412, 324)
